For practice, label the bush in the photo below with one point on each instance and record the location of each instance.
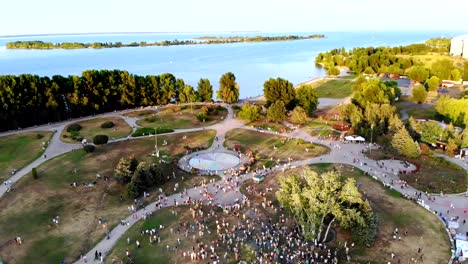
(39, 136)
(34, 173)
(144, 131)
(108, 124)
(202, 117)
(236, 107)
(89, 148)
(150, 119)
(74, 134)
(74, 128)
(100, 139)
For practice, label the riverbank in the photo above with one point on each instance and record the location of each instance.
(41, 45)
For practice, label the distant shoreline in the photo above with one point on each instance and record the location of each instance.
(41, 45)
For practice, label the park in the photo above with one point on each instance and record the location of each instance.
(341, 169)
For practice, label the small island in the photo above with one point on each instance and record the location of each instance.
(196, 41)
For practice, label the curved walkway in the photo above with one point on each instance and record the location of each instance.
(339, 153)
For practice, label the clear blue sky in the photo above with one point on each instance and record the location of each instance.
(88, 16)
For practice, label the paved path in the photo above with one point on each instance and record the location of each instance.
(339, 153)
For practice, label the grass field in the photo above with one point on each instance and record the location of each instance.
(393, 211)
(428, 59)
(180, 118)
(263, 145)
(435, 174)
(28, 210)
(92, 127)
(334, 88)
(17, 151)
(423, 113)
(140, 113)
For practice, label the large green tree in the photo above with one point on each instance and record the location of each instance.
(276, 112)
(250, 112)
(418, 73)
(205, 90)
(442, 68)
(318, 201)
(419, 94)
(279, 89)
(187, 94)
(432, 83)
(228, 88)
(431, 132)
(404, 144)
(307, 98)
(298, 116)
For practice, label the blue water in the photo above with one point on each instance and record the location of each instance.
(252, 63)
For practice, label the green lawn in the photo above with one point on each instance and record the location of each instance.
(334, 89)
(263, 145)
(92, 127)
(29, 209)
(17, 151)
(423, 113)
(435, 174)
(181, 117)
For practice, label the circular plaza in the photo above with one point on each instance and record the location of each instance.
(213, 160)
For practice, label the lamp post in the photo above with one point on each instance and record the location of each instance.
(156, 142)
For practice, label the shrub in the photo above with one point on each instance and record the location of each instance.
(34, 173)
(89, 148)
(202, 116)
(144, 131)
(74, 134)
(74, 128)
(150, 119)
(100, 139)
(39, 136)
(108, 124)
(236, 107)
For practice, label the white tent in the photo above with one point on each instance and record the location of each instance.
(462, 248)
(349, 138)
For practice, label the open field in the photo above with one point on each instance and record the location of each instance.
(28, 210)
(19, 150)
(263, 145)
(181, 117)
(337, 88)
(423, 229)
(428, 59)
(435, 174)
(423, 113)
(140, 113)
(92, 127)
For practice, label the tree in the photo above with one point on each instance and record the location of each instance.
(205, 90)
(34, 173)
(298, 116)
(187, 94)
(404, 144)
(203, 115)
(455, 74)
(431, 132)
(419, 94)
(317, 201)
(278, 89)
(333, 71)
(89, 148)
(124, 170)
(451, 147)
(418, 73)
(432, 83)
(250, 112)
(442, 68)
(307, 98)
(276, 112)
(228, 88)
(100, 139)
(464, 137)
(465, 71)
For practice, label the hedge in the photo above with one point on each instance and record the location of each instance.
(100, 139)
(73, 128)
(107, 124)
(89, 148)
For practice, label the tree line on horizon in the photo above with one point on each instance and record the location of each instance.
(36, 44)
(29, 100)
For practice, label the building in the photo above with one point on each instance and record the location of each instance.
(459, 46)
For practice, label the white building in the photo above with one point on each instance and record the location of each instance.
(459, 46)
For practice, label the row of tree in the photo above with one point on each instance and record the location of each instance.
(28, 100)
(394, 60)
(36, 44)
(281, 97)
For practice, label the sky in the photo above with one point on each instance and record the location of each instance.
(21, 17)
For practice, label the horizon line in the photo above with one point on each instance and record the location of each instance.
(199, 32)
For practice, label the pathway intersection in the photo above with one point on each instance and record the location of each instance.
(351, 154)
